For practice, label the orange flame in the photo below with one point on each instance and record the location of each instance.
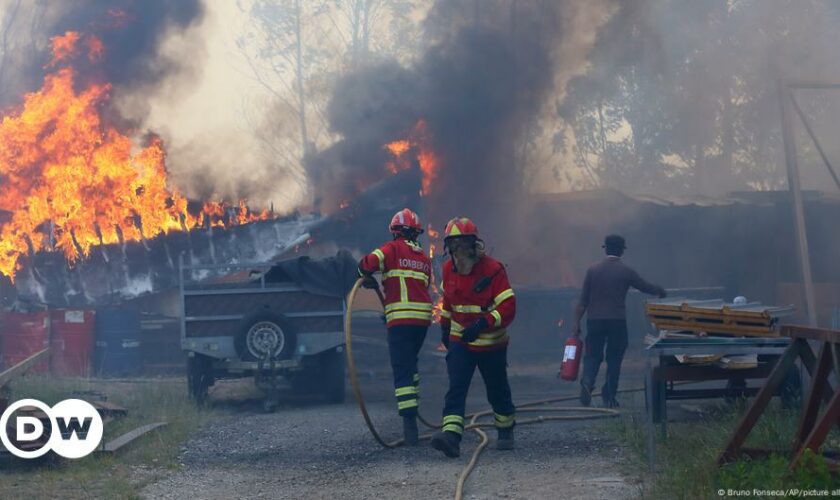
(420, 143)
(69, 181)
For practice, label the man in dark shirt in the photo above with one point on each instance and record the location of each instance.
(602, 299)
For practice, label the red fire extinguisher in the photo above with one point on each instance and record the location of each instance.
(571, 359)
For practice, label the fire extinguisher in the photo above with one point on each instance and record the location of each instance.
(571, 359)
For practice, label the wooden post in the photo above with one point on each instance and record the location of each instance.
(795, 188)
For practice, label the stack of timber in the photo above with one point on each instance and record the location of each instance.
(716, 317)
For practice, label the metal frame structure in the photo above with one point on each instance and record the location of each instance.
(789, 106)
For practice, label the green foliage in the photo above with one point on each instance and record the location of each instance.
(687, 460)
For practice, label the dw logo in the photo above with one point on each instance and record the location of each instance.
(75, 429)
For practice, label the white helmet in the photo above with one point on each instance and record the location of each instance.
(740, 300)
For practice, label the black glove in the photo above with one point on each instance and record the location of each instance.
(471, 332)
(444, 335)
(370, 282)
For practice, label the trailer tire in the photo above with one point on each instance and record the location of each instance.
(264, 333)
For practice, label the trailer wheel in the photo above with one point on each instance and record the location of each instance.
(265, 335)
(199, 377)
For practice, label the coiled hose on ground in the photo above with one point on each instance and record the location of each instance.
(581, 413)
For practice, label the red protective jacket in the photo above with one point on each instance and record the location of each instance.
(406, 272)
(463, 306)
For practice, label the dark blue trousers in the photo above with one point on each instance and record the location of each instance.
(604, 337)
(461, 364)
(404, 343)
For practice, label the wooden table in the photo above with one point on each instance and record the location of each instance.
(657, 378)
(814, 425)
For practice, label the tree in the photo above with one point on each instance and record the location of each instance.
(681, 96)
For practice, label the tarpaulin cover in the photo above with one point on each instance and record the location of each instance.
(331, 276)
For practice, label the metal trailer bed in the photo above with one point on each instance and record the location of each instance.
(235, 324)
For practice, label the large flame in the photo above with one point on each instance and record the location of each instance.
(417, 146)
(69, 181)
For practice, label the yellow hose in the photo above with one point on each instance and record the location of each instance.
(531, 406)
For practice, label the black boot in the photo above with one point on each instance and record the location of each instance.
(447, 442)
(410, 434)
(505, 439)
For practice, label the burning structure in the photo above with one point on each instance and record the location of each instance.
(90, 215)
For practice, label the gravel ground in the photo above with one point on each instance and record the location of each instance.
(310, 450)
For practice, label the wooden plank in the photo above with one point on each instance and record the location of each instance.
(108, 409)
(720, 329)
(713, 318)
(22, 367)
(119, 442)
(815, 395)
(811, 333)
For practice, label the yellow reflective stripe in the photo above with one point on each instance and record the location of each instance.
(403, 291)
(503, 421)
(497, 338)
(427, 316)
(497, 317)
(463, 308)
(445, 314)
(453, 419)
(486, 342)
(483, 342)
(421, 306)
(503, 296)
(411, 403)
(457, 327)
(405, 391)
(493, 335)
(381, 257)
(404, 273)
(453, 428)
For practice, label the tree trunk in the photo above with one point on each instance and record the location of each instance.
(304, 135)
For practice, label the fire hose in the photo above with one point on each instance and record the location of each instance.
(474, 424)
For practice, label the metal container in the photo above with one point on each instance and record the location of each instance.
(71, 343)
(117, 350)
(23, 335)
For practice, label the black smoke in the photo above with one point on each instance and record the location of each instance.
(479, 85)
(131, 31)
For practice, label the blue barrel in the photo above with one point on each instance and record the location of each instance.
(117, 350)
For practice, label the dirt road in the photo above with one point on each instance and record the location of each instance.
(311, 450)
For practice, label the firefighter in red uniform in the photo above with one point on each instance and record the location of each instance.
(406, 272)
(478, 306)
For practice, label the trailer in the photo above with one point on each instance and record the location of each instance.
(280, 323)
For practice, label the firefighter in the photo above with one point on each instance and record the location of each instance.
(478, 306)
(406, 272)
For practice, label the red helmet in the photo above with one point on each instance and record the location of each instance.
(405, 219)
(460, 226)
